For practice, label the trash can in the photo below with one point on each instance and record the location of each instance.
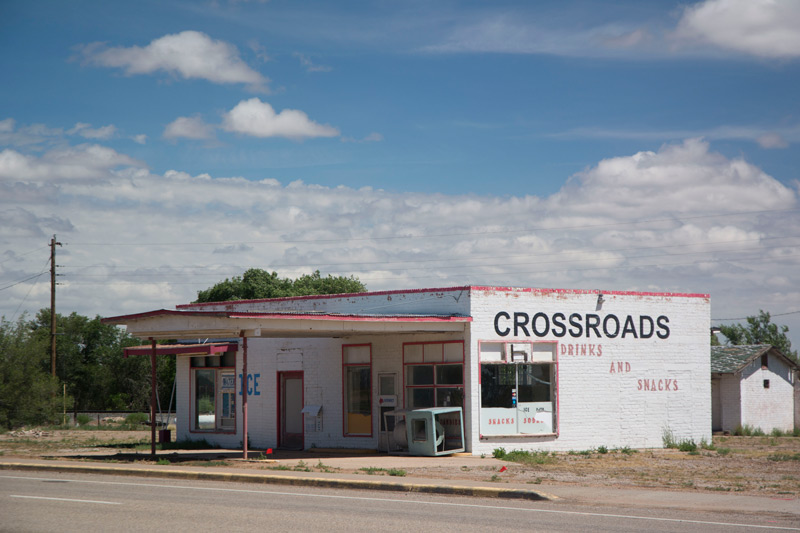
(164, 435)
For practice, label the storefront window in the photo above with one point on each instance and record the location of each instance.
(518, 388)
(434, 374)
(357, 371)
(214, 393)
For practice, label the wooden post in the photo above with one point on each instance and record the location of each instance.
(153, 397)
(244, 394)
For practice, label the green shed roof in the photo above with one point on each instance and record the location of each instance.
(728, 359)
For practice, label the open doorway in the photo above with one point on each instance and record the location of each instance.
(290, 406)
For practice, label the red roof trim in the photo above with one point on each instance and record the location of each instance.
(590, 291)
(178, 349)
(355, 318)
(451, 289)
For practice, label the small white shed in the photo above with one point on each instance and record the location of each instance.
(753, 385)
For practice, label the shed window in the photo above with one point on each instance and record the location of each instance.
(518, 388)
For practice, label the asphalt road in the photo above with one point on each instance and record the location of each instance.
(70, 502)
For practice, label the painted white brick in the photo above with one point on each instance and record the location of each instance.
(602, 399)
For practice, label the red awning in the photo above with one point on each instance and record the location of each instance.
(183, 349)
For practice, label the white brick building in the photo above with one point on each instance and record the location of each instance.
(755, 386)
(533, 369)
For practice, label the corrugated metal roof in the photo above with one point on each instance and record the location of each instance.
(729, 359)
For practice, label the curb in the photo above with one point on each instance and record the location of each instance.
(333, 483)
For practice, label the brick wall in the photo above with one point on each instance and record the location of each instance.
(620, 396)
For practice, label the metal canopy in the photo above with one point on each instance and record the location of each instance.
(166, 324)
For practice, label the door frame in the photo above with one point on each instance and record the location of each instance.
(282, 376)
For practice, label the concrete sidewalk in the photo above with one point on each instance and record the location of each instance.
(284, 472)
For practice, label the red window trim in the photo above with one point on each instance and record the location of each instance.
(434, 386)
(344, 392)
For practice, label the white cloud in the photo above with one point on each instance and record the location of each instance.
(7, 125)
(86, 131)
(259, 119)
(188, 128)
(669, 220)
(764, 28)
(140, 138)
(772, 140)
(188, 54)
(79, 163)
(310, 65)
(373, 137)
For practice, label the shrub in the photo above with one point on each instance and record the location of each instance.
(83, 419)
(602, 449)
(687, 445)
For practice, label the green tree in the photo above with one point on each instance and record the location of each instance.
(256, 283)
(28, 393)
(760, 330)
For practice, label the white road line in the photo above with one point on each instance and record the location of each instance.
(417, 502)
(62, 499)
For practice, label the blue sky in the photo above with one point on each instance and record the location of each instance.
(173, 144)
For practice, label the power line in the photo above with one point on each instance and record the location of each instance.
(15, 256)
(746, 317)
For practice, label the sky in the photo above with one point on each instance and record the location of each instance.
(616, 146)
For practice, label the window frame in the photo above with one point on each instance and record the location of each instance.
(345, 391)
(218, 393)
(509, 360)
(435, 386)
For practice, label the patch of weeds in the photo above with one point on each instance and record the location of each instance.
(784, 456)
(748, 431)
(602, 450)
(499, 453)
(163, 462)
(537, 481)
(627, 450)
(585, 453)
(301, 466)
(668, 438)
(495, 479)
(279, 467)
(723, 451)
(719, 489)
(704, 444)
(396, 472)
(530, 458)
(325, 468)
(371, 470)
(694, 452)
(465, 468)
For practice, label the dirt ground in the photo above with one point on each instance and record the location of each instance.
(767, 466)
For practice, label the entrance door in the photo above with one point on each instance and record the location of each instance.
(387, 400)
(290, 398)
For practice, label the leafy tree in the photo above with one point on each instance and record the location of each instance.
(28, 393)
(256, 283)
(760, 330)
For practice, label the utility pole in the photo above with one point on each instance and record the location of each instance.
(53, 244)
